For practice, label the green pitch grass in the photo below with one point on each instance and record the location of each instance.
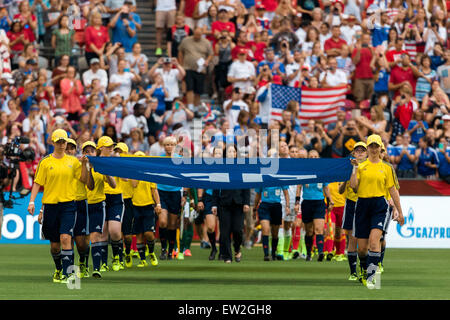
(26, 273)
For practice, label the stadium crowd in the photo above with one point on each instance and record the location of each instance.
(219, 64)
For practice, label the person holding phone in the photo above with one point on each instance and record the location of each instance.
(179, 114)
(362, 55)
(124, 29)
(444, 159)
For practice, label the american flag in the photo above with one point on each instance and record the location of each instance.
(318, 104)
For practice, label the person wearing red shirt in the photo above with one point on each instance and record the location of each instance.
(17, 41)
(188, 7)
(96, 36)
(222, 24)
(363, 82)
(334, 45)
(27, 19)
(407, 73)
(394, 57)
(270, 6)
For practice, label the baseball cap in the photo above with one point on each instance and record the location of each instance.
(260, 5)
(446, 117)
(59, 134)
(139, 154)
(69, 140)
(305, 67)
(223, 10)
(242, 51)
(88, 143)
(122, 146)
(374, 138)
(105, 141)
(276, 79)
(360, 144)
(94, 60)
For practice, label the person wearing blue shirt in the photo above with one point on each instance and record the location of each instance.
(427, 159)
(405, 157)
(275, 66)
(313, 211)
(270, 215)
(444, 160)
(171, 204)
(417, 126)
(124, 29)
(157, 90)
(380, 30)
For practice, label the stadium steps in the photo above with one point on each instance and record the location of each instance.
(147, 35)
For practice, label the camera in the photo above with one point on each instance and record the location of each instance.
(14, 154)
(167, 60)
(123, 15)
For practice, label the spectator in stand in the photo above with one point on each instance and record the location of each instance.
(395, 56)
(423, 85)
(241, 72)
(376, 124)
(275, 66)
(71, 90)
(307, 8)
(27, 19)
(223, 50)
(333, 77)
(407, 73)
(222, 23)
(363, 80)
(158, 90)
(165, 18)
(18, 38)
(200, 14)
(427, 159)
(443, 73)
(136, 141)
(63, 40)
(445, 131)
(405, 106)
(285, 37)
(95, 72)
(405, 157)
(187, 8)
(176, 34)
(124, 29)
(333, 46)
(96, 37)
(417, 127)
(444, 160)
(437, 56)
(348, 136)
(172, 73)
(123, 79)
(178, 114)
(233, 106)
(135, 120)
(195, 54)
(136, 57)
(437, 104)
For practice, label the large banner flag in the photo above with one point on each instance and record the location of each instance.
(281, 95)
(321, 104)
(317, 104)
(213, 173)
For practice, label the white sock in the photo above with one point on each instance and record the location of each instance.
(280, 233)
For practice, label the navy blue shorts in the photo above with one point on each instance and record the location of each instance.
(349, 215)
(144, 219)
(81, 223)
(114, 207)
(58, 218)
(370, 213)
(96, 217)
(170, 201)
(270, 211)
(128, 215)
(312, 209)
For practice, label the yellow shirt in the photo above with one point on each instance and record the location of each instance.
(127, 188)
(374, 179)
(80, 193)
(142, 195)
(351, 195)
(58, 177)
(98, 193)
(116, 190)
(394, 177)
(337, 198)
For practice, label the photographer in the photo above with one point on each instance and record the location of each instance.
(405, 107)
(333, 77)
(362, 56)
(124, 29)
(347, 133)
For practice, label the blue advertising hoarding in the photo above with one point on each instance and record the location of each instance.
(20, 227)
